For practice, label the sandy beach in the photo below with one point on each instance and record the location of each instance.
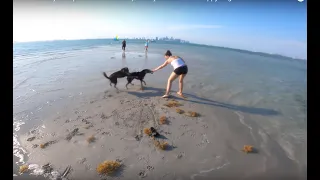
(197, 145)
(92, 123)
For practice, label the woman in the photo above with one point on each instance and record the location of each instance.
(146, 45)
(180, 69)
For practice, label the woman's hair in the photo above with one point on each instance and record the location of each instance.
(168, 53)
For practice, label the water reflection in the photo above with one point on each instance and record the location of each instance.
(124, 62)
(145, 60)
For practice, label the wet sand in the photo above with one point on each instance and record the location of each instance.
(199, 147)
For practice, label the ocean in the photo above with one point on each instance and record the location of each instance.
(270, 90)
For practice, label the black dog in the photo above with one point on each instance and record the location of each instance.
(138, 75)
(114, 76)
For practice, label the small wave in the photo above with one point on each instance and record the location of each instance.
(54, 90)
(22, 82)
(209, 170)
(241, 119)
(18, 151)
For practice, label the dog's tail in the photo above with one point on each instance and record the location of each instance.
(105, 75)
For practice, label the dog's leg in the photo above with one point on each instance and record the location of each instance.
(115, 86)
(127, 85)
(110, 84)
(130, 81)
(144, 82)
(141, 85)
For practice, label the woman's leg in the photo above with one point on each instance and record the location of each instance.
(181, 84)
(172, 77)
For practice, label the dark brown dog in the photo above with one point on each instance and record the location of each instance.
(139, 76)
(114, 76)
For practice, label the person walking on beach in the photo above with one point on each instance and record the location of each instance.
(146, 45)
(124, 44)
(180, 69)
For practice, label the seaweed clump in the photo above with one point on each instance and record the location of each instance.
(42, 146)
(163, 120)
(91, 139)
(147, 131)
(192, 114)
(247, 149)
(108, 167)
(173, 103)
(179, 111)
(23, 168)
(161, 145)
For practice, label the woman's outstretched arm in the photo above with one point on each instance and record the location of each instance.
(161, 66)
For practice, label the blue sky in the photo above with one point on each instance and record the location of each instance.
(278, 27)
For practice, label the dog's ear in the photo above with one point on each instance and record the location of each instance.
(125, 69)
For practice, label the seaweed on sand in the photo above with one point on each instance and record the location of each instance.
(179, 111)
(147, 131)
(248, 149)
(163, 120)
(23, 168)
(42, 146)
(173, 103)
(108, 167)
(91, 139)
(192, 114)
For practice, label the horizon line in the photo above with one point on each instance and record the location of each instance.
(190, 43)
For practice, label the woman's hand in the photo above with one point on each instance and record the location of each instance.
(160, 67)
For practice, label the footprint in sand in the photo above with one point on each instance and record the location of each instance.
(142, 174)
(106, 133)
(180, 155)
(150, 168)
(205, 126)
(202, 144)
(88, 167)
(103, 116)
(82, 160)
(191, 133)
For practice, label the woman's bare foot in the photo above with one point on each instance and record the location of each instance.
(165, 96)
(181, 95)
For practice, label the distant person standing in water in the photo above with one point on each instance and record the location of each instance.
(124, 44)
(180, 69)
(146, 45)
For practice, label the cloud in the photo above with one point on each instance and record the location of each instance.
(192, 26)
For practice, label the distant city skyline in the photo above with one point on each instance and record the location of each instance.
(166, 38)
(275, 27)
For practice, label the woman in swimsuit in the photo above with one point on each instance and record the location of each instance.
(146, 45)
(180, 69)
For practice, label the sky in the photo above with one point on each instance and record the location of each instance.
(274, 26)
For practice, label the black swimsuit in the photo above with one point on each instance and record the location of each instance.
(181, 70)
